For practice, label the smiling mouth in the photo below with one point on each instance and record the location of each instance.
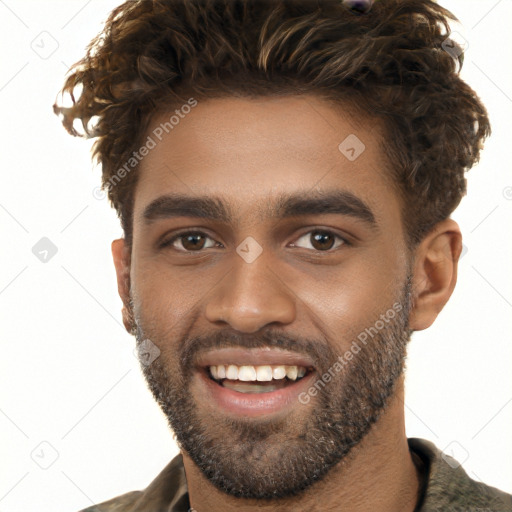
(256, 379)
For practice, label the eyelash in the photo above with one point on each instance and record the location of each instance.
(345, 242)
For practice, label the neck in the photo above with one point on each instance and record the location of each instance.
(378, 474)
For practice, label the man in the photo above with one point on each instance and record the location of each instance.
(284, 173)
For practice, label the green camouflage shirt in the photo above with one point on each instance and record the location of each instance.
(448, 488)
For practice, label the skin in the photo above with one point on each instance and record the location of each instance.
(246, 152)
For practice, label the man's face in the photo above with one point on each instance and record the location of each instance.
(271, 277)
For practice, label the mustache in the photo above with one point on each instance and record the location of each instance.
(319, 351)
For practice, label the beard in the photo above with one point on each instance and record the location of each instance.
(280, 457)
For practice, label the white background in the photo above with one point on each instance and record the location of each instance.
(69, 376)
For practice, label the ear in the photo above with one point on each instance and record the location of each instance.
(121, 254)
(435, 273)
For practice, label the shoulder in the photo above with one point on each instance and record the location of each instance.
(449, 488)
(121, 503)
(168, 491)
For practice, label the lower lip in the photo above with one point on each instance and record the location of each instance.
(256, 404)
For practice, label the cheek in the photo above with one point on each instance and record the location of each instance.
(169, 295)
(348, 299)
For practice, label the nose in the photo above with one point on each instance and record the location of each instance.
(250, 297)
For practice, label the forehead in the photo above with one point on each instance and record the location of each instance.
(249, 151)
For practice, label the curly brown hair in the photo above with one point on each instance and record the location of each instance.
(387, 61)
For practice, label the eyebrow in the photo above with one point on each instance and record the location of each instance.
(339, 202)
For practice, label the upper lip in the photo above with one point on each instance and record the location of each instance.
(253, 357)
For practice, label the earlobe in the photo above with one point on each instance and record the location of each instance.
(435, 273)
(122, 256)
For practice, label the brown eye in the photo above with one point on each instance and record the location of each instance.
(193, 241)
(190, 241)
(321, 240)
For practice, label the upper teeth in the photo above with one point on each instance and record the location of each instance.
(256, 373)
